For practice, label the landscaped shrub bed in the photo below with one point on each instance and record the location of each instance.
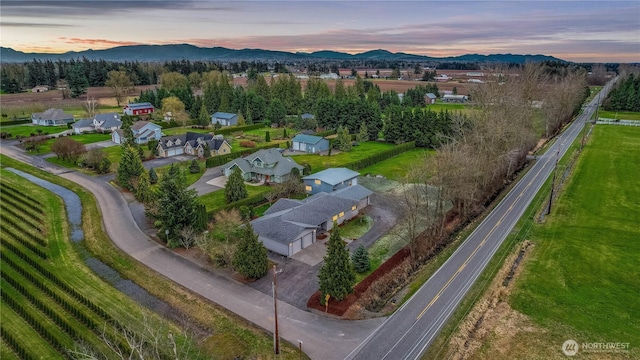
(339, 308)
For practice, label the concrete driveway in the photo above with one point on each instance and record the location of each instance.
(212, 180)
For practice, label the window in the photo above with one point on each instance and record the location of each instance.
(307, 188)
(353, 208)
(318, 182)
(341, 214)
(335, 218)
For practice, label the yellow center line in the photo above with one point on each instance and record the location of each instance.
(484, 240)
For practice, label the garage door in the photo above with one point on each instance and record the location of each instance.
(307, 240)
(295, 247)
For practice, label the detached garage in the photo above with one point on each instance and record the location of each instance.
(309, 143)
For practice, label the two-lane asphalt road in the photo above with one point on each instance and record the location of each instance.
(411, 329)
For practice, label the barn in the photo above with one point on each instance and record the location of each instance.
(137, 109)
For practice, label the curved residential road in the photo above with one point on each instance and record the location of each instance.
(322, 337)
(411, 329)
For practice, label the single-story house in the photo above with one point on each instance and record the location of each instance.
(330, 180)
(101, 122)
(192, 144)
(455, 98)
(264, 165)
(51, 117)
(143, 132)
(224, 119)
(430, 98)
(291, 225)
(139, 109)
(309, 143)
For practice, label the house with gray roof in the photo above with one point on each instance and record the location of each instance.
(291, 225)
(224, 119)
(192, 143)
(267, 165)
(51, 117)
(430, 98)
(330, 180)
(107, 122)
(143, 132)
(309, 143)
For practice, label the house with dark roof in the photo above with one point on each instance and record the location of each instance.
(100, 122)
(138, 109)
(330, 180)
(192, 143)
(224, 119)
(291, 225)
(51, 117)
(143, 132)
(309, 143)
(267, 165)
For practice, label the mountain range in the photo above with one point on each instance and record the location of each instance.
(161, 53)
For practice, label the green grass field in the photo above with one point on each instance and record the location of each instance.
(440, 106)
(398, 167)
(28, 129)
(83, 138)
(216, 199)
(622, 115)
(363, 150)
(583, 280)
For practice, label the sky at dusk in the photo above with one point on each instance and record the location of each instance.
(581, 31)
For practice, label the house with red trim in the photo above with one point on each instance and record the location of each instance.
(138, 109)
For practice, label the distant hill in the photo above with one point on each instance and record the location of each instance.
(161, 53)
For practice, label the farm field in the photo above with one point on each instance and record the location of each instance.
(581, 278)
(318, 162)
(50, 300)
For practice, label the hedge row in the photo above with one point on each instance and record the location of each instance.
(381, 156)
(25, 217)
(251, 201)
(325, 133)
(8, 232)
(16, 122)
(223, 159)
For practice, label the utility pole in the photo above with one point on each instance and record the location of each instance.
(553, 182)
(276, 336)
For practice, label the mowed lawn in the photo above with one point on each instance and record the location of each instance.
(338, 159)
(622, 115)
(28, 129)
(216, 199)
(583, 278)
(398, 167)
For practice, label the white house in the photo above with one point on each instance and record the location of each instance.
(101, 122)
(51, 117)
(143, 132)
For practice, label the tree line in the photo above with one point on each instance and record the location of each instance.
(625, 96)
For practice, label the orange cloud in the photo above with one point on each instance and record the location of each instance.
(100, 43)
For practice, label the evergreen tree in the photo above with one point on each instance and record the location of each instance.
(235, 189)
(277, 112)
(194, 167)
(363, 134)
(130, 167)
(336, 275)
(284, 133)
(77, 81)
(144, 193)
(343, 141)
(360, 260)
(267, 137)
(153, 176)
(177, 205)
(203, 116)
(250, 258)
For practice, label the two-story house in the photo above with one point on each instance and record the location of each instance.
(143, 132)
(330, 180)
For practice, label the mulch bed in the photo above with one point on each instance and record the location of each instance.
(338, 308)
